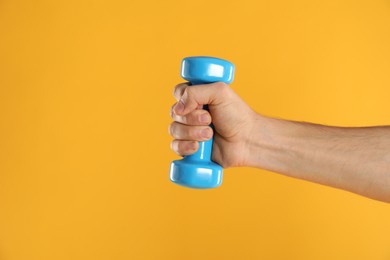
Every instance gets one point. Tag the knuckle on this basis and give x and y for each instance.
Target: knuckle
(184, 119)
(171, 112)
(175, 146)
(223, 88)
(178, 90)
(221, 85)
(174, 116)
(171, 129)
(188, 93)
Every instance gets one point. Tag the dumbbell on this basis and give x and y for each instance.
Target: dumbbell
(198, 170)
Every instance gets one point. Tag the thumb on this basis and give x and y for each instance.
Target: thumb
(198, 95)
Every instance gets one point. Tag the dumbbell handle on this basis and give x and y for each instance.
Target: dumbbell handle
(205, 148)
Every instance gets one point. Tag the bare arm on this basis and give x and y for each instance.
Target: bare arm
(353, 159)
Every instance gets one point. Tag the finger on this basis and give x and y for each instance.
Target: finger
(190, 133)
(196, 117)
(193, 97)
(179, 90)
(183, 148)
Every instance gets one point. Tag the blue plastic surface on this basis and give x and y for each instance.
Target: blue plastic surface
(198, 170)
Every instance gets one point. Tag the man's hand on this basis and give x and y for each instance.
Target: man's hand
(232, 118)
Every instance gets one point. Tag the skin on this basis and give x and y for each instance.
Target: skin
(356, 159)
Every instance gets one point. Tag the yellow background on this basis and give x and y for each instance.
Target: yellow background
(85, 92)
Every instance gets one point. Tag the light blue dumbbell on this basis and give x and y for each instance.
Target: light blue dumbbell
(198, 170)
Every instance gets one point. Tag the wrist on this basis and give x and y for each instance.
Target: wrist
(289, 147)
(271, 144)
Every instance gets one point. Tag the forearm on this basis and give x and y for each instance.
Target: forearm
(354, 159)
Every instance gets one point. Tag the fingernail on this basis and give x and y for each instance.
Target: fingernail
(204, 118)
(206, 133)
(179, 107)
(193, 145)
